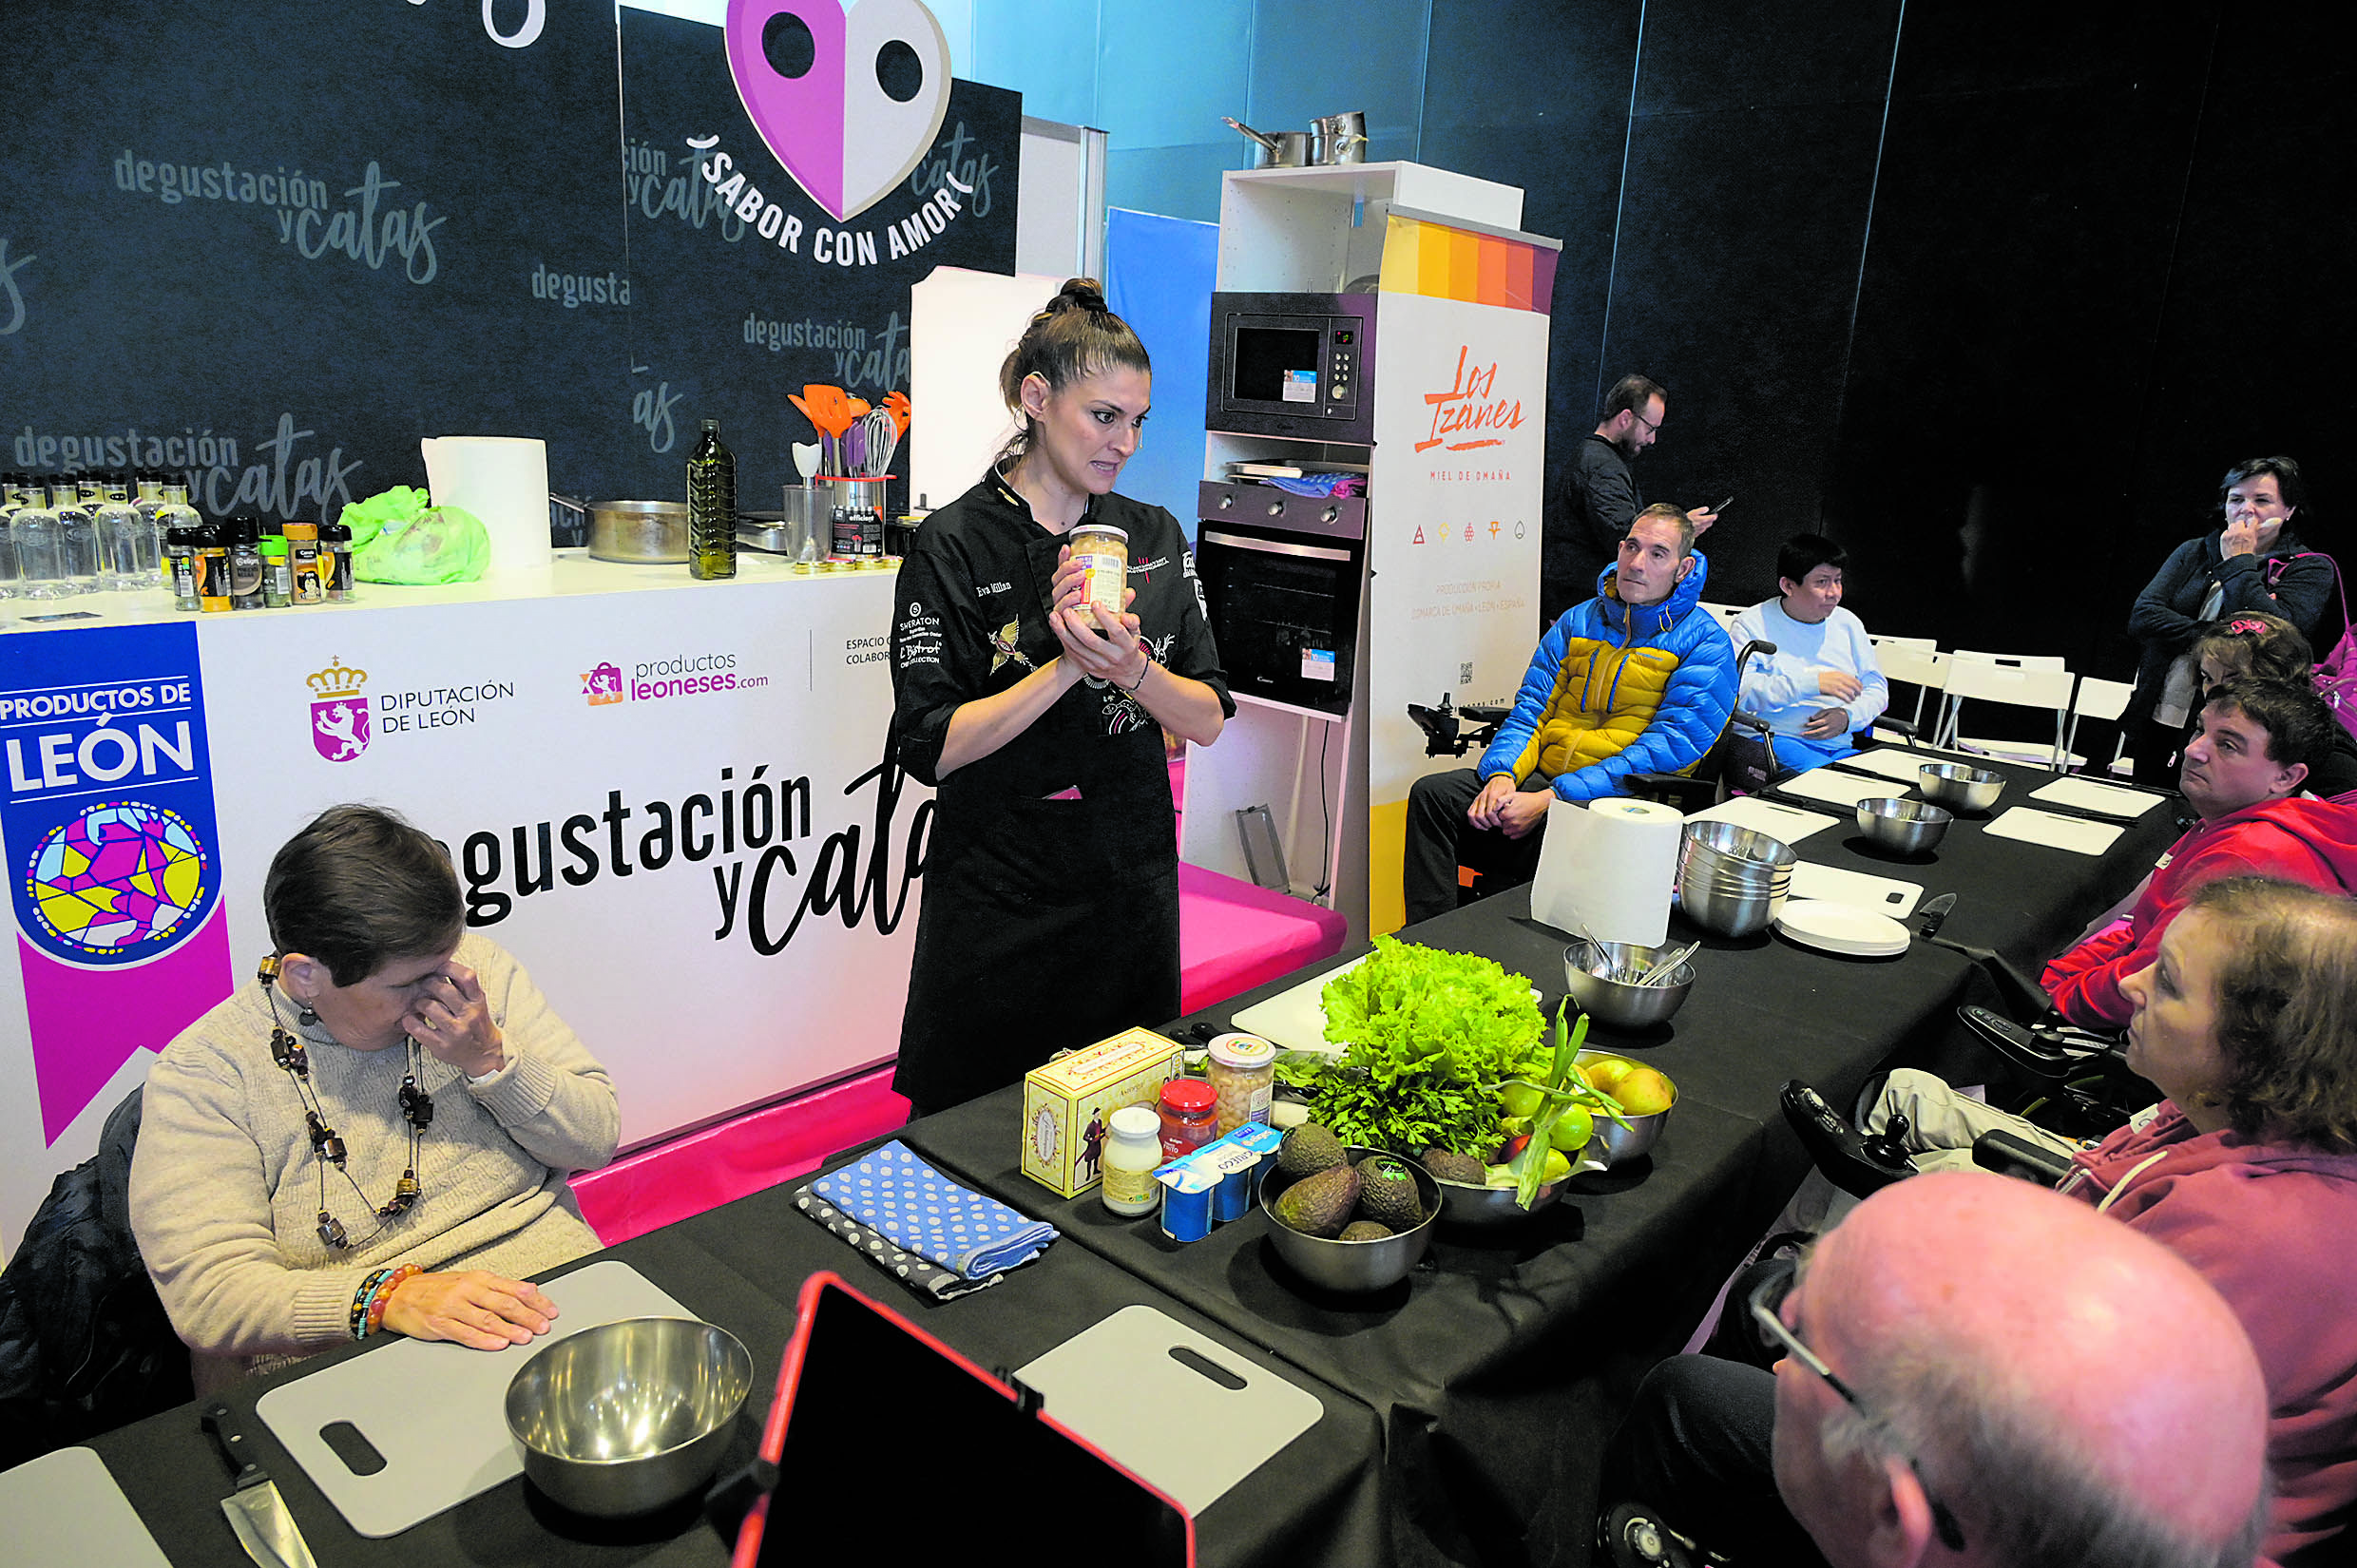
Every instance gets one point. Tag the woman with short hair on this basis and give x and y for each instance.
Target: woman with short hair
(372, 1136)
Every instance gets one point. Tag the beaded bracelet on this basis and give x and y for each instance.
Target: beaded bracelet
(358, 1322)
(382, 1297)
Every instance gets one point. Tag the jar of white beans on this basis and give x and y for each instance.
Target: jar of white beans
(1242, 1072)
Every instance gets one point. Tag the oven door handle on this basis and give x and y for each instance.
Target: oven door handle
(1270, 547)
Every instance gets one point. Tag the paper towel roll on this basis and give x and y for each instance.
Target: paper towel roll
(1611, 868)
(503, 480)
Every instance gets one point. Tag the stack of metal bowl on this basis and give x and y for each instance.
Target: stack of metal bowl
(1732, 880)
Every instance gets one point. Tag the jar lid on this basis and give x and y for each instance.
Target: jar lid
(1190, 1094)
(1136, 1121)
(1107, 529)
(1241, 1052)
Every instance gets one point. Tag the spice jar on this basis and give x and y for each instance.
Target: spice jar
(1243, 1075)
(1130, 1159)
(1188, 1107)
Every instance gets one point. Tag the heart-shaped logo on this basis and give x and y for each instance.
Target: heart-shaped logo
(847, 101)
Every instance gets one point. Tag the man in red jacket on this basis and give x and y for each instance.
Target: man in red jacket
(2247, 760)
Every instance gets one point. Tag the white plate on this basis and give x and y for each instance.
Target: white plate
(1842, 929)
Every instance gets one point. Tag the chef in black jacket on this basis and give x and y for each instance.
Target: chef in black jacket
(1050, 894)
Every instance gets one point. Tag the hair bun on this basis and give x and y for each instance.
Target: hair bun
(1083, 293)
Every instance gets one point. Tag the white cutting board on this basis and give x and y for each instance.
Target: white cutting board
(2087, 794)
(1110, 1383)
(437, 1412)
(1890, 763)
(64, 1509)
(1837, 787)
(1885, 896)
(2076, 835)
(1295, 1019)
(1788, 825)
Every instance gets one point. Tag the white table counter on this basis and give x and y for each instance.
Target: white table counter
(664, 796)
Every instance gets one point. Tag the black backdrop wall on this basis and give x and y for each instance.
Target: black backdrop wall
(1992, 291)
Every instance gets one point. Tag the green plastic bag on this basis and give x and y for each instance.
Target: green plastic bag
(364, 518)
(438, 545)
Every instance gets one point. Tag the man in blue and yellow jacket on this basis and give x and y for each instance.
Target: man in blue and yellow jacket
(1638, 680)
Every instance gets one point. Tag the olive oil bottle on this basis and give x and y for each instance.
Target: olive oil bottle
(710, 507)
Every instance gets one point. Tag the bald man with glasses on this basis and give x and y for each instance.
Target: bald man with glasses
(1969, 1369)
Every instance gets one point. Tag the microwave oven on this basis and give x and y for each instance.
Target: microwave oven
(1295, 366)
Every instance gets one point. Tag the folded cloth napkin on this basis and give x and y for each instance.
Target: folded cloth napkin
(920, 1210)
(926, 1279)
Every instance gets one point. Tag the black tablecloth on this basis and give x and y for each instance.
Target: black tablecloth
(1501, 1365)
(1320, 1500)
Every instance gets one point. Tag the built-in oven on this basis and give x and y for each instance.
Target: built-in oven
(1295, 366)
(1281, 576)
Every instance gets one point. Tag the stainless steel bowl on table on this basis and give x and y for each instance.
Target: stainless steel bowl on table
(1613, 1143)
(1732, 880)
(1907, 827)
(1589, 974)
(1960, 786)
(1488, 1208)
(629, 1417)
(1332, 1264)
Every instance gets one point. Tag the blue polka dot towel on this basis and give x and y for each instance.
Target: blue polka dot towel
(896, 1193)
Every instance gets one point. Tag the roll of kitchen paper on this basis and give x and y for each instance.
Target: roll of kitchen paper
(1609, 869)
(503, 480)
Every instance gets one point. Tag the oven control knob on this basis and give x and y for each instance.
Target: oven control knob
(1276, 508)
(1226, 500)
(1332, 514)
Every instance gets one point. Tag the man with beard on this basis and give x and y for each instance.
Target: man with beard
(1602, 498)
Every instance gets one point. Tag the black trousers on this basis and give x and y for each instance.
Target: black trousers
(1696, 1449)
(1440, 839)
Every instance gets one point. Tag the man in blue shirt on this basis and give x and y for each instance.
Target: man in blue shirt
(1823, 682)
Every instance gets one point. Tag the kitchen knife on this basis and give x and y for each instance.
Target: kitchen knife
(254, 1510)
(1935, 912)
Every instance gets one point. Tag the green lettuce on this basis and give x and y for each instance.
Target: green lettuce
(1426, 1036)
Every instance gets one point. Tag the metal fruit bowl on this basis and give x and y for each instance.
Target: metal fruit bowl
(1614, 1144)
(1908, 826)
(1587, 966)
(1960, 788)
(627, 1417)
(1483, 1208)
(1353, 1266)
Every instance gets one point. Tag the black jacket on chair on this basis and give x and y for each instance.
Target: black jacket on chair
(84, 1343)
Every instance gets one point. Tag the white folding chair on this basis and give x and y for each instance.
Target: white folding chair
(2105, 701)
(1918, 662)
(2015, 685)
(2013, 662)
(1726, 613)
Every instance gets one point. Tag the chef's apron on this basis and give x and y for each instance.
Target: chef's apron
(1046, 924)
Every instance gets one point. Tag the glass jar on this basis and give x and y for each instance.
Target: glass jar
(1243, 1077)
(1130, 1159)
(1189, 1107)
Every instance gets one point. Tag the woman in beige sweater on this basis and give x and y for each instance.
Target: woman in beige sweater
(372, 1136)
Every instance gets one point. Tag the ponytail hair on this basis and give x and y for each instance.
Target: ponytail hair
(1074, 336)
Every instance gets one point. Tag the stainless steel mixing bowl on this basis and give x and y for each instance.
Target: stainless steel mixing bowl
(1907, 827)
(627, 1417)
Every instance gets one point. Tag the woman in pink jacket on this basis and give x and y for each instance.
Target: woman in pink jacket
(2248, 1168)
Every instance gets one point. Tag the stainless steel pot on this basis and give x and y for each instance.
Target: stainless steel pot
(1339, 138)
(1276, 149)
(643, 532)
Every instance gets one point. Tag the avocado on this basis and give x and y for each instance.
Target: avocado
(1448, 1166)
(1387, 1194)
(1365, 1230)
(1308, 1149)
(1319, 1205)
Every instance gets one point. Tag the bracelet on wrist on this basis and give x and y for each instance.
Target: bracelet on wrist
(380, 1296)
(358, 1322)
(1144, 671)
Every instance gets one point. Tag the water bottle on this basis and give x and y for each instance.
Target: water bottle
(77, 539)
(40, 552)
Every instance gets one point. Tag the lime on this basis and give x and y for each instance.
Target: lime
(1521, 1100)
(1573, 1129)
(1557, 1168)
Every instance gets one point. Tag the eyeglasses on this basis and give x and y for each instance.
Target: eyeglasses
(1767, 1311)
(1653, 425)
